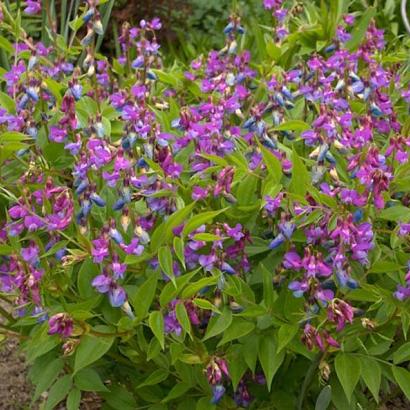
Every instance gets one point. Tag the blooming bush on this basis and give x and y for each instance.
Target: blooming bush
(229, 235)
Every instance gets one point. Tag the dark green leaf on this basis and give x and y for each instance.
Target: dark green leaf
(238, 328)
(90, 349)
(142, 299)
(73, 399)
(89, 380)
(156, 323)
(155, 377)
(348, 370)
(58, 392)
(269, 358)
(402, 377)
(218, 324)
(300, 181)
(360, 29)
(324, 398)
(371, 374)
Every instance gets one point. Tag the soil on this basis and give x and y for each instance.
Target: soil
(15, 390)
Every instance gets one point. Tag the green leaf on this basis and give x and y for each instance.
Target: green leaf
(324, 398)
(47, 377)
(12, 136)
(179, 249)
(382, 266)
(41, 343)
(58, 392)
(273, 165)
(169, 291)
(206, 237)
(156, 323)
(237, 365)
(74, 399)
(250, 351)
(397, 213)
(205, 404)
(200, 219)
(246, 192)
(285, 335)
(293, 125)
(55, 88)
(6, 45)
(371, 374)
(274, 52)
(164, 231)
(300, 181)
(167, 78)
(89, 380)
(177, 391)
(165, 262)
(183, 318)
(218, 324)
(402, 377)
(7, 103)
(193, 288)
(360, 28)
(155, 377)
(402, 354)
(88, 271)
(205, 304)
(238, 328)
(269, 358)
(348, 370)
(90, 349)
(119, 398)
(142, 299)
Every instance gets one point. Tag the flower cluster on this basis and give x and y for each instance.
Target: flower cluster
(214, 185)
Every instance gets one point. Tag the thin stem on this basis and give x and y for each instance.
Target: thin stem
(308, 378)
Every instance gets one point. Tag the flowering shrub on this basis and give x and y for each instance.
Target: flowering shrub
(235, 234)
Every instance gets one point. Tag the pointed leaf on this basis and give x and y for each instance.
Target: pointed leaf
(269, 358)
(372, 375)
(348, 371)
(402, 377)
(156, 323)
(218, 324)
(90, 349)
(324, 398)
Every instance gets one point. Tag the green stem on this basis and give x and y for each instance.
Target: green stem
(308, 378)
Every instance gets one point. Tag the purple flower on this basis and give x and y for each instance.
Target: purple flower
(199, 193)
(404, 229)
(30, 254)
(33, 7)
(235, 232)
(117, 296)
(298, 288)
(33, 222)
(100, 249)
(57, 134)
(292, 260)
(277, 241)
(61, 324)
(207, 261)
(218, 392)
(102, 283)
(171, 324)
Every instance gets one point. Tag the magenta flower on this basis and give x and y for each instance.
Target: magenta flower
(100, 249)
(33, 7)
(61, 324)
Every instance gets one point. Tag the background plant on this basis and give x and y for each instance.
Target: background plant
(233, 232)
